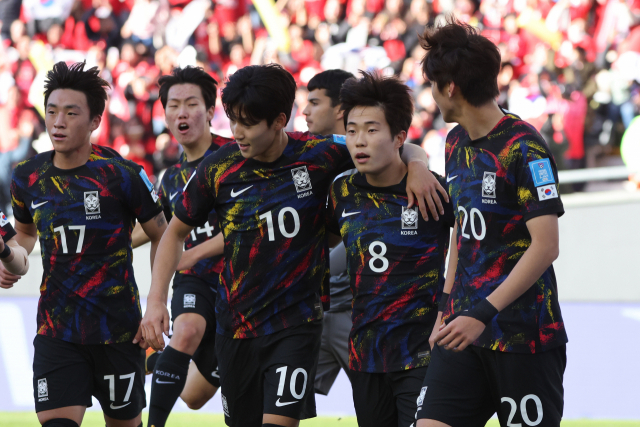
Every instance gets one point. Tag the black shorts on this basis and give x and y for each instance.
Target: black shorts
(193, 295)
(271, 374)
(467, 388)
(67, 374)
(386, 399)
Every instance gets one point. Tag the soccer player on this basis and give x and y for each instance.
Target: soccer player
(324, 117)
(395, 258)
(503, 348)
(269, 192)
(82, 201)
(188, 96)
(13, 257)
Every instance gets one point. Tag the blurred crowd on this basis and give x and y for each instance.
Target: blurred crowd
(570, 67)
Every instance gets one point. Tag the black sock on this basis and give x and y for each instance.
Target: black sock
(152, 360)
(169, 377)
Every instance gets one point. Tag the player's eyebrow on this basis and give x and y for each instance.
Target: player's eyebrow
(50, 105)
(182, 99)
(370, 122)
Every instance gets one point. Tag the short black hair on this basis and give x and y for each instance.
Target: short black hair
(388, 93)
(457, 53)
(259, 92)
(75, 77)
(193, 75)
(331, 81)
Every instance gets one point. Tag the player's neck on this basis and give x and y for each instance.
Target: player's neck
(392, 174)
(479, 121)
(339, 129)
(72, 159)
(276, 148)
(196, 150)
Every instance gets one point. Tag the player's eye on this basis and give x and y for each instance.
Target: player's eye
(373, 130)
(193, 105)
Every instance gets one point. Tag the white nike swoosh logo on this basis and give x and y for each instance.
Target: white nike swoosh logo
(278, 403)
(345, 214)
(118, 407)
(171, 196)
(234, 194)
(164, 382)
(451, 178)
(215, 374)
(38, 205)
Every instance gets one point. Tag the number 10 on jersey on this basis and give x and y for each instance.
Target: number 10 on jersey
(269, 217)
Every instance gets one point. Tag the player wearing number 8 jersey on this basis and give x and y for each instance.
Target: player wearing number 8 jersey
(82, 202)
(269, 193)
(395, 258)
(503, 346)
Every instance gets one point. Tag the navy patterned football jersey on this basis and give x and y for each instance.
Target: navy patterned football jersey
(272, 216)
(497, 183)
(396, 263)
(6, 229)
(84, 218)
(173, 182)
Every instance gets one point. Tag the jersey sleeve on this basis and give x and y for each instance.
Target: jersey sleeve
(165, 201)
(344, 160)
(332, 221)
(449, 216)
(197, 199)
(6, 230)
(141, 196)
(537, 180)
(20, 208)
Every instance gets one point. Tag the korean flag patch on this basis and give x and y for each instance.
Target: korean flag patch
(541, 172)
(3, 219)
(547, 192)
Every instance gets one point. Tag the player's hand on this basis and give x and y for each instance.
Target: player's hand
(459, 333)
(7, 280)
(139, 340)
(154, 323)
(423, 187)
(437, 327)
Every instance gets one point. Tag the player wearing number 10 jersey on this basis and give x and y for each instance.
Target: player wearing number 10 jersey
(269, 192)
(504, 346)
(82, 202)
(395, 258)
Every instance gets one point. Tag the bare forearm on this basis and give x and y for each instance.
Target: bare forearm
(18, 261)
(412, 152)
(526, 272)
(167, 255)
(453, 262)
(139, 237)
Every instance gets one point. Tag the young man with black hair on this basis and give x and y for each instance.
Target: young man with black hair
(324, 117)
(82, 202)
(269, 191)
(395, 259)
(188, 96)
(14, 259)
(503, 345)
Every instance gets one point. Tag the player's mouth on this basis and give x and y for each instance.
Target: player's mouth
(58, 136)
(183, 128)
(243, 147)
(362, 157)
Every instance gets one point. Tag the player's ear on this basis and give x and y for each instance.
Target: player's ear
(95, 122)
(280, 122)
(452, 89)
(339, 112)
(210, 113)
(398, 140)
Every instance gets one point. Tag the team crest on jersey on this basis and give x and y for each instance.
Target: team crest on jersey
(189, 301)
(301, 179)
(43, 390)
(91, 203)
(489, 185)
(3, 219)
(409, 219)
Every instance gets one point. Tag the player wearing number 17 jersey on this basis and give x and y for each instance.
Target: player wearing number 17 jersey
(269, 192)
(395, 258)
(503, 348)
(82, 202)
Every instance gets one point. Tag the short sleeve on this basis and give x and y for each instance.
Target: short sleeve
(332, 222)
(141, 196)
(197, 199)
(20, 208)
(165, 200)
(537, 180)
(449, 216)
(6, 229)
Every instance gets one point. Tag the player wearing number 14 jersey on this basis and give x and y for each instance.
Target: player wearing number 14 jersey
(503, 348)
(269, 192)
(395, 258)
(82, 202)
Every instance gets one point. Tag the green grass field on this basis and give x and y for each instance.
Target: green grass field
(94, 419)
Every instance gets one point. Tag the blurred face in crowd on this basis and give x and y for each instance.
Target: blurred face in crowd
(186, 114)
(320, 115)
(369, 140)
(68, 120)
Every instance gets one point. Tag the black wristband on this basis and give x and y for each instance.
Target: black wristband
(6, 252)
(444, 300)
(484, 312)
